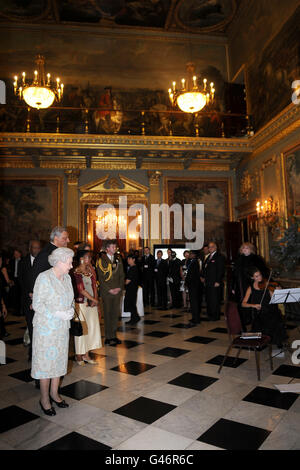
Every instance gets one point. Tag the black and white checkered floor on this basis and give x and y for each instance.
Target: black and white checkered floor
(159, 389)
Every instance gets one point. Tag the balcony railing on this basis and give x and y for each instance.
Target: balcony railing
(156, 122)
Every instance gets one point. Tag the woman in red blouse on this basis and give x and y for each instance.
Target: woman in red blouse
(86, 299)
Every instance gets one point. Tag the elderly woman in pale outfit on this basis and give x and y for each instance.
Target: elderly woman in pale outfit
(53, 306)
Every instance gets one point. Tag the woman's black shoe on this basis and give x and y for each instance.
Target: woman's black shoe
(60, 404)
(116, 341)
(50, 412)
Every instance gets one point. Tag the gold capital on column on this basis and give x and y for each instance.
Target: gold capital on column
(72, 176)
(154, 177)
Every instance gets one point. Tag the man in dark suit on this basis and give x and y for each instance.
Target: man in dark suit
(147, 264)
(131, 286)
(15, 291)
(213, 273)
(59, 238)
(174, 276)
(195, 287)
(24, 274)
(160, 276)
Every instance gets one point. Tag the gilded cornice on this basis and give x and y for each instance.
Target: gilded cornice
(94, 142)
(111, 152)
(284, 124)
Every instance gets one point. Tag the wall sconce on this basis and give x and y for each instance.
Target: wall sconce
(268, 211)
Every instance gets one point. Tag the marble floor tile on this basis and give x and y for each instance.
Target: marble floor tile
(230, 435)
(7, 383)
(204, 404)
(109, 399)
(76, 416)
(154, 438)
(140, 388)
(295, 408)
(185, 422)
(144, 409)
(19, 393)
(286, 435)
(32, 405)
(109, 378)
(75, 442)
(202, 446)
(183, 415)
(171, 394)
(229, 388)
(260, 416)
(5, 446)
(33, 435)
(111, 429)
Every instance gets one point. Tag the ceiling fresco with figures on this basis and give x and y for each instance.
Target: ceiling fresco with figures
(198, 16)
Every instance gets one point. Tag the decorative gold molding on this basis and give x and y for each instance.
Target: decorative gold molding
(61, 164)
(115, 152)
(72, 176)
(16, 164)
(113, 165)
(246, 184)
(154, 177)
(100, 186)
(115, 142)
(284, 124)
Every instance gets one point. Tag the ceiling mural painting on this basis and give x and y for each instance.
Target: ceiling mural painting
(191, 15)
(204, 15)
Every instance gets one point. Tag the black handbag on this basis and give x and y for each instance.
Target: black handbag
(76, 326)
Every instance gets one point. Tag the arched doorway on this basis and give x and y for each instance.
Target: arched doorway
(108, 190)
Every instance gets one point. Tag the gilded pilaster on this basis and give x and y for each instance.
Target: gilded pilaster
(154, 198)
(72, 205)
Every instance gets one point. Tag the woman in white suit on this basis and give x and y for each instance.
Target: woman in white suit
(53, 306)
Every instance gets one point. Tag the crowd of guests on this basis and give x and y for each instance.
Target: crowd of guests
(52, 285)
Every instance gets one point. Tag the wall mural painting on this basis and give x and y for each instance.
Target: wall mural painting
(292, 180)
(213, 194)
(111, 111)
(271, 75)
(29, 209)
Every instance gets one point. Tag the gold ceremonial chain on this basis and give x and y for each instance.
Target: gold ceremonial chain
(105, 271)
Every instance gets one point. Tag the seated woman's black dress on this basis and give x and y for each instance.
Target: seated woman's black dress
(268, 320)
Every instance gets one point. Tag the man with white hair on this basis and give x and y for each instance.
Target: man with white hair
(59, 238)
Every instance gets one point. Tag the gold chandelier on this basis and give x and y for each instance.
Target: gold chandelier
(40, 93)
(191, 97)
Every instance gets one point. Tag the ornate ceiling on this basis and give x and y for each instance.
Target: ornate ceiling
(194, 16)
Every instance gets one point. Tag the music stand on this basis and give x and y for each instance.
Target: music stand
(284, 296)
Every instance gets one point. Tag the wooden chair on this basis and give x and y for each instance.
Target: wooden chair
(234, 328)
